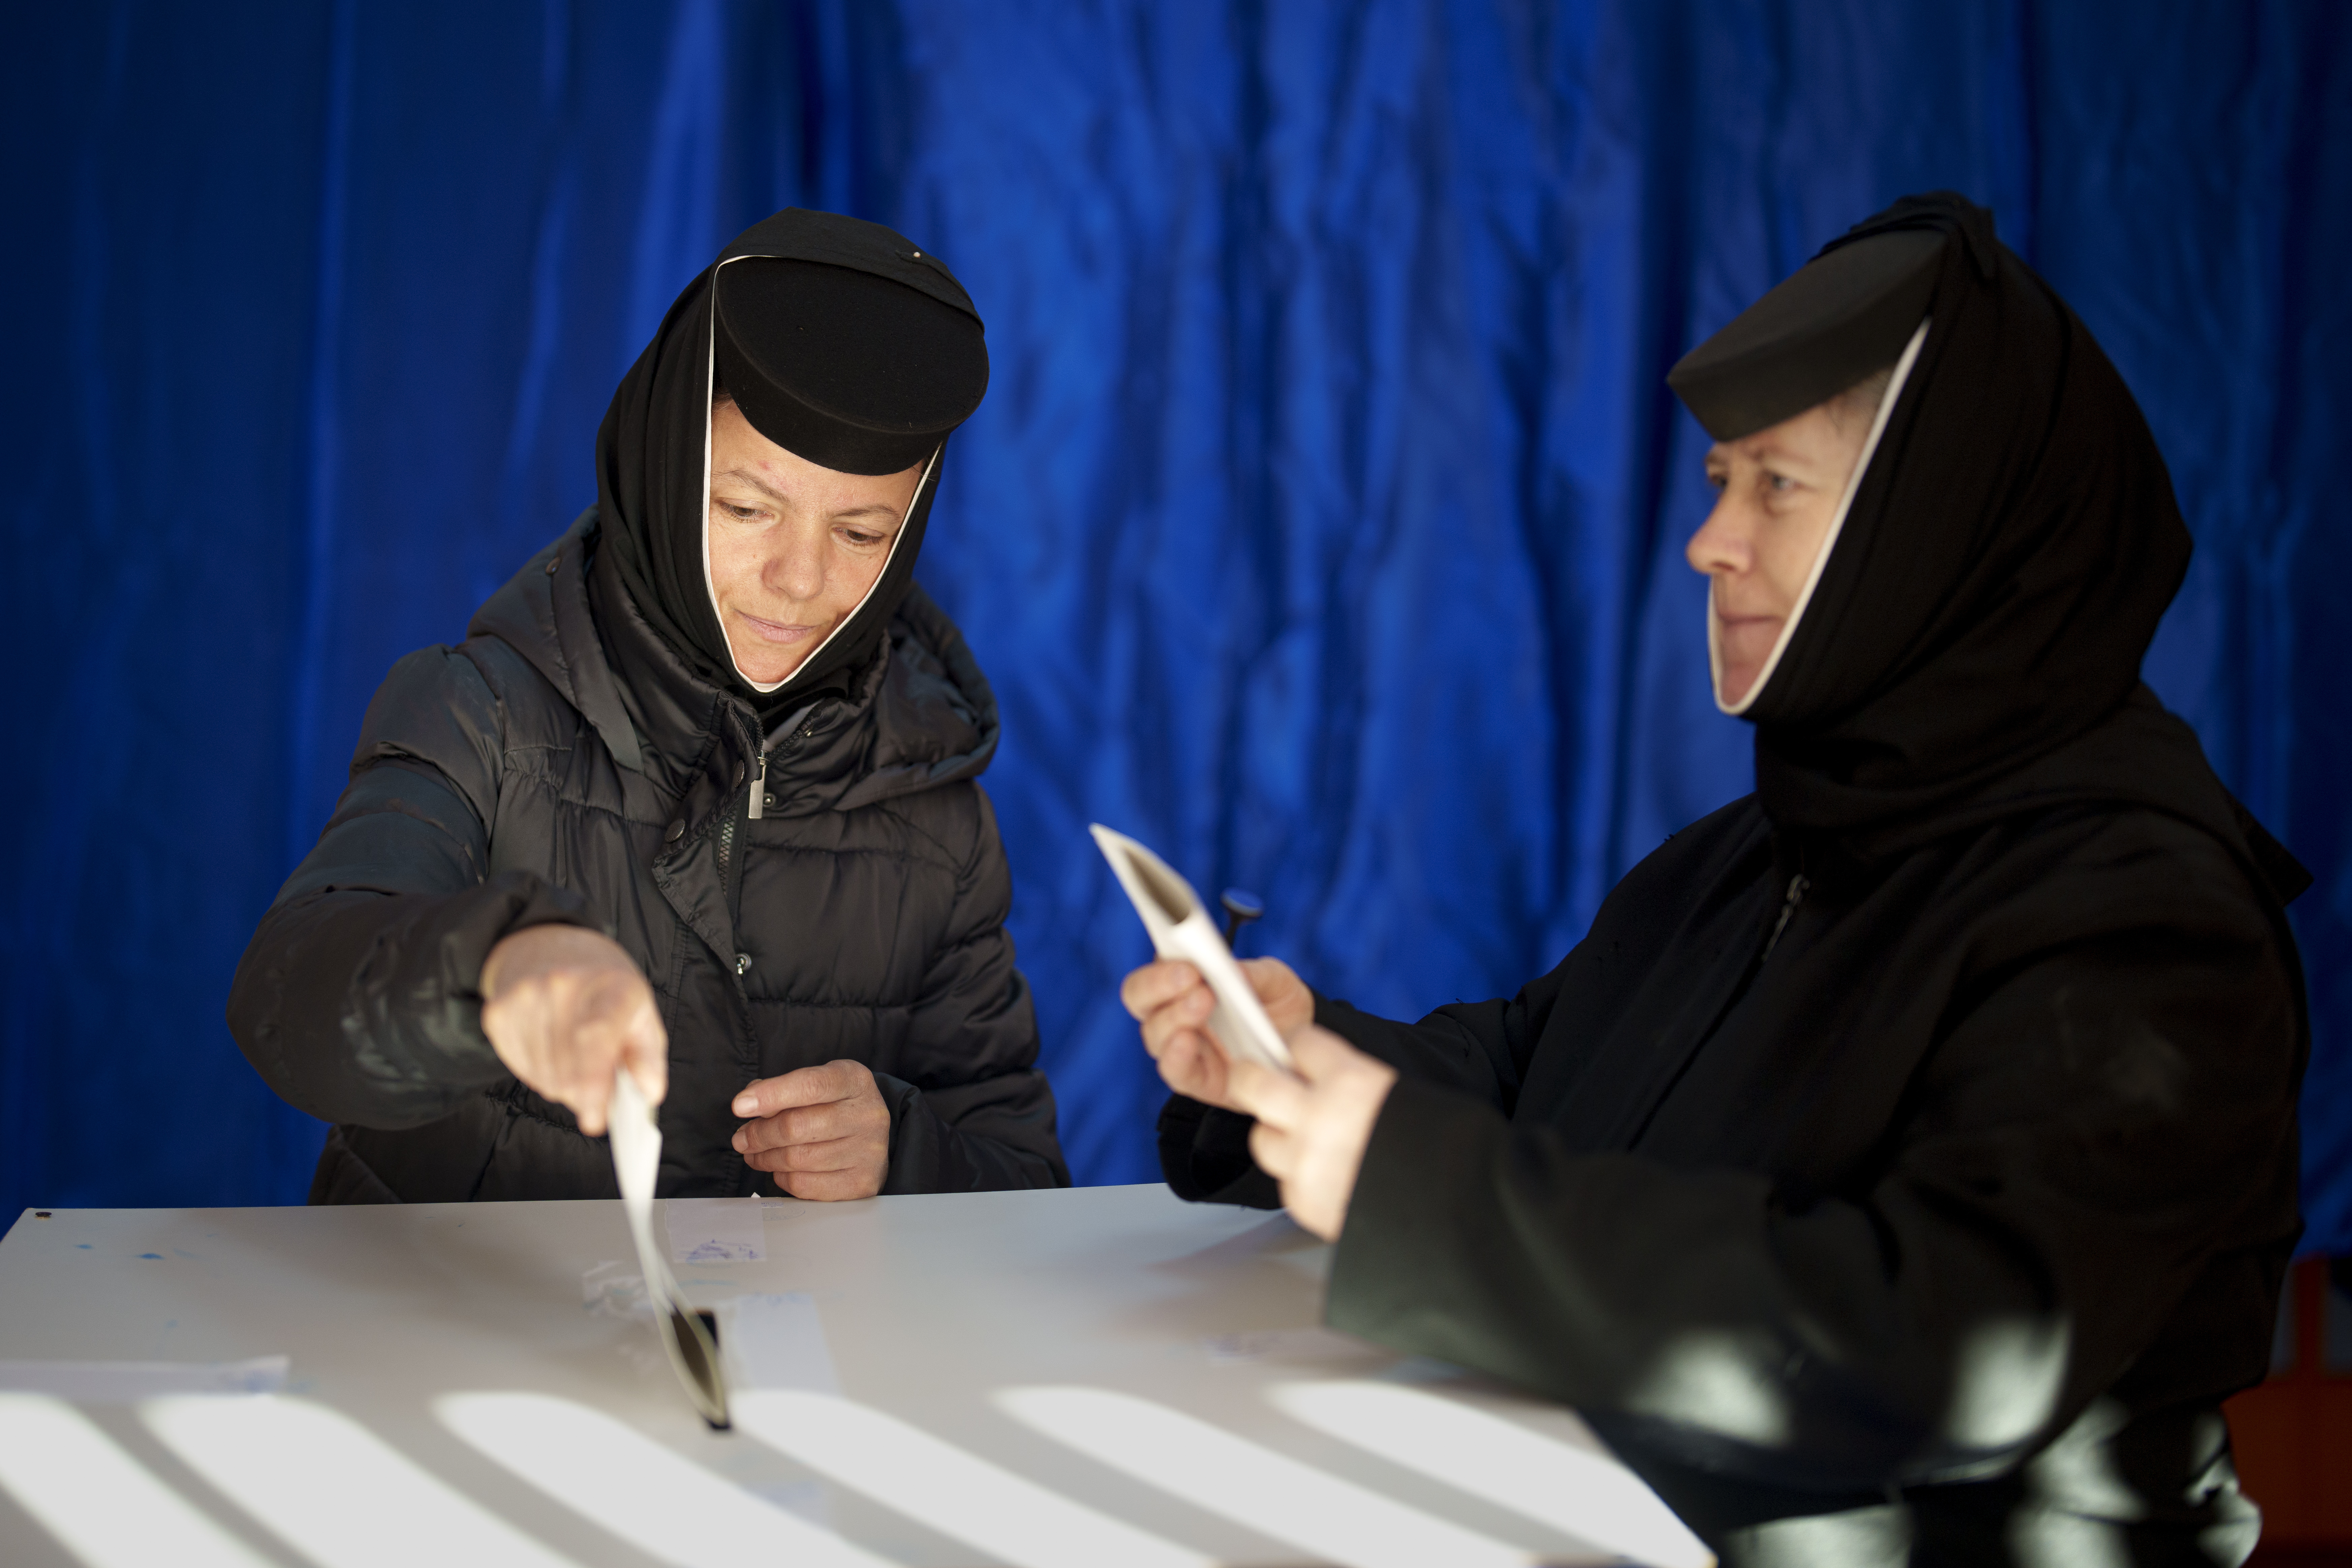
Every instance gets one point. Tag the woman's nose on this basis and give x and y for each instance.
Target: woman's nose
(1723, 542)
(796, 570)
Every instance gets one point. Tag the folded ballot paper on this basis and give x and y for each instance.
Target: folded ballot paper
(1182, 928)
(685, 1333)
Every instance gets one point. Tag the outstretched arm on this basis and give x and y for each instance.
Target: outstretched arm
(361, 997)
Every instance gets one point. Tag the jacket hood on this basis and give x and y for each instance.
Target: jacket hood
(919, 714)
(2010, 548)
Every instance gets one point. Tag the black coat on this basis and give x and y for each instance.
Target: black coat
(519, 779)
(2024, 1188)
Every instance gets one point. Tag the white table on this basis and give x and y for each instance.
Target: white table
(1090, 1376)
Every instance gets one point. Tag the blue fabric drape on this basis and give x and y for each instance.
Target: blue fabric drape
(1323, 523)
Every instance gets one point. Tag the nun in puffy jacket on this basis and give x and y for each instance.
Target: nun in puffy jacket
(695, 799)
(1903, 1169)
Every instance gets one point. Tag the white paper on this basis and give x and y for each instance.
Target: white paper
(637, 1161)
(715, 1230)
(609, 1290)
(1182, 928)
(777, 1342)
(118, 1382)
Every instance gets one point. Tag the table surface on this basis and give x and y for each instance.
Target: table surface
(1095, 1375)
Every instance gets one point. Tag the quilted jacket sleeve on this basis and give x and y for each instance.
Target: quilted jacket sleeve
(972, 1113)
(358, 998)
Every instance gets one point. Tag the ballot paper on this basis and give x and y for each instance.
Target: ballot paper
(125, 1382)
(715, 1230)
(684, 1334)
(1182, 928)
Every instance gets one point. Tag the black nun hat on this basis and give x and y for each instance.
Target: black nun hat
(2008, 543)
(854, 371)
(839, 340)
(1840, 317)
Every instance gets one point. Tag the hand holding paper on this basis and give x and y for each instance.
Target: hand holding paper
(1181, 928)
(1174, 1005)
(1314, 1123)
(564, 1007)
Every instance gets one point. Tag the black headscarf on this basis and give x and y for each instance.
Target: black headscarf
(650, 498)
(2003, 565)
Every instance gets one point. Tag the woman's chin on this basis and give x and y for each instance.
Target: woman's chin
(762, 665)
(1731, 688)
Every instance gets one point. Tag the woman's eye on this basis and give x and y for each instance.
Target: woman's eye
(860, 539)
(1779, 484)
(740, 513)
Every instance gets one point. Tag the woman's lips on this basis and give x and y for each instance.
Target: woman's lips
(1748, 623)
(1748, 637)
(775, 631)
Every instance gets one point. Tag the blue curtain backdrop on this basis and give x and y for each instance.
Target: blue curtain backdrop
(1323, 524)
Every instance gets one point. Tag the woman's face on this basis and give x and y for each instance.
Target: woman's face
(794, 548)
(1778, 490)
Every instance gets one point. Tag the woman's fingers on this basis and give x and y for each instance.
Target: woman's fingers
(647, 1051)
(1320, 1053)
(830, 1121)
(570, 1008)
(1273, 1098)
(1289, 1004)
(1276, 1150)
(1194, 1067)
(826, 1186)
(1148, 989)
(587, 1040)
(811, 1159)
(1186, 1013)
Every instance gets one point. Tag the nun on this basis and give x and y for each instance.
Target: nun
(695, 799)
(1903, 1169)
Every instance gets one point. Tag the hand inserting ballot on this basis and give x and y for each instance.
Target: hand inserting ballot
(822, 1131)
(1312, 1128)
(565, 1008)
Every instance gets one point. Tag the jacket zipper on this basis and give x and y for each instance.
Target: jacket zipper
(756, 806)
(1798, 885)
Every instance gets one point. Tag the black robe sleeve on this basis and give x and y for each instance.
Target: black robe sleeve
(1479, 1048)
(2071, 1156)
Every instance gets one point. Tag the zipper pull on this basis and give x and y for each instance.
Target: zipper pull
(759, 797)
(1796, 885)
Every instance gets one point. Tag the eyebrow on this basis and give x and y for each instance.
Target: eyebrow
(1722, 452)
(872, 509)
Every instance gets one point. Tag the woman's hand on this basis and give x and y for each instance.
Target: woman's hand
(824, 1131)
(1312, 1129)
(565, 1008)
(1173, 1004)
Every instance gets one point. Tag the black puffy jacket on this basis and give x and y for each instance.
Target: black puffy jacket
(519, 779)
